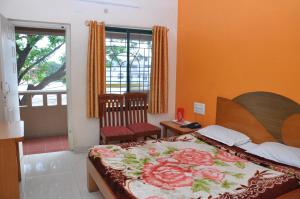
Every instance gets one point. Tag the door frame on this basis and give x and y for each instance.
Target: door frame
(67, 28)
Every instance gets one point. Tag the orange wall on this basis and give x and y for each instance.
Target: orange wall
(229, 47)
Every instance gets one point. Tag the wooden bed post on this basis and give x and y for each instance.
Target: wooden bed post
(95, 182)
(91, 184)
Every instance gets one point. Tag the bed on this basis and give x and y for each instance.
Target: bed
(195, 166)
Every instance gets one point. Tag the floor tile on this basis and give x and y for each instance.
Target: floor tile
(51, 186)
(58, 175)
(49, 163)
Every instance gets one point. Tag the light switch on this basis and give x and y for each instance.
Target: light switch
(199, 108)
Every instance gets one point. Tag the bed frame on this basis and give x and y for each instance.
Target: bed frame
(96, 182)
(263, 116)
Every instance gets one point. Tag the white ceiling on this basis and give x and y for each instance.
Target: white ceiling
(121, 3)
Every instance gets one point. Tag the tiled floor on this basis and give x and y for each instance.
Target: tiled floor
(45, 145)
(58, 175)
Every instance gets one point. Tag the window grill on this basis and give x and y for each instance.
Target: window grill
(128, 60)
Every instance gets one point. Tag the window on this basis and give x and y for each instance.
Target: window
(128, 60)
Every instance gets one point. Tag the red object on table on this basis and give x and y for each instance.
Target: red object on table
(180, 114)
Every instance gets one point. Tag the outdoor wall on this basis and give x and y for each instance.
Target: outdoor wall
(144, 13)
(226, 48)
(44, 121)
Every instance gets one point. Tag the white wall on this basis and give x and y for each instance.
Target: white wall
(142, 13)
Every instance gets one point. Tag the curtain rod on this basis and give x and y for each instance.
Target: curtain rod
(87, 23)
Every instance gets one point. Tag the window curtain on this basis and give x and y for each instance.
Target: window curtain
(158, 97)
(95, 67)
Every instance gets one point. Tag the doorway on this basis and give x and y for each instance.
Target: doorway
(43, 76)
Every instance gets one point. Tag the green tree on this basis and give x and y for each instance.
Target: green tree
(32, 60)
(112, 55)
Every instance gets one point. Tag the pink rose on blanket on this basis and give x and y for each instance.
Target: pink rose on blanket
(167, 160)
(210, 173)
(228, 157)
(104, 152)
(167, 176)
(152, 151)
(154, 197)
(193, 157)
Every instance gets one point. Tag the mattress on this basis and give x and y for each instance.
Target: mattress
(189, 166)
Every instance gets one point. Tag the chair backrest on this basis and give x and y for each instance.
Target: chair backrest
(136, 108)
(111, 110)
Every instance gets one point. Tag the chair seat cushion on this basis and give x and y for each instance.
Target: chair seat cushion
(143, 128)
(116, 131)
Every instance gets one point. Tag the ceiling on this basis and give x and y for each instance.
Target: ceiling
(120, 3)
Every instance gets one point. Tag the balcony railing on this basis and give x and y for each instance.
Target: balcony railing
(38, 98)
(44, 113)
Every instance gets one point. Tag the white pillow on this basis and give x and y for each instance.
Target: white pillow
(247, 146)
(278, 152)
(224, 135)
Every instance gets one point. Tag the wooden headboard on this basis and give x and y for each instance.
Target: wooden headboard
(263, 116)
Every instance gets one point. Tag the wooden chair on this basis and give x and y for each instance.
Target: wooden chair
(136, 116)
(112, 126)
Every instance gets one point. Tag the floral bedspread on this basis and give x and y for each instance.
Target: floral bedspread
(185, 167)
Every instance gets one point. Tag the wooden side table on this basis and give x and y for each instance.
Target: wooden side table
(175, 128)
(10, 173)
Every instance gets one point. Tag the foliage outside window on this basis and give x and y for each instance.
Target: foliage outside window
(41, 62)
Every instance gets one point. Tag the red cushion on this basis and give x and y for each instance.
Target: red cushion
(143, 127)
(116, 131)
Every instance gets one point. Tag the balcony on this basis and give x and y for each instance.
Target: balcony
(44, 113)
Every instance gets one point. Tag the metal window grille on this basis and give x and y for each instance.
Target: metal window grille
(128, 60)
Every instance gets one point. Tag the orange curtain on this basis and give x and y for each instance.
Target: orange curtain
(158, 98)
(95, 67)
